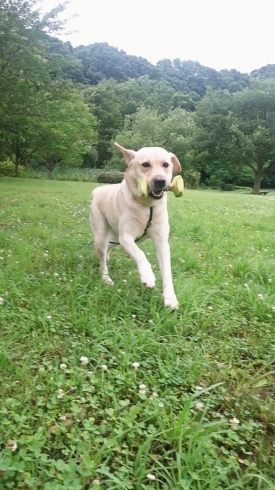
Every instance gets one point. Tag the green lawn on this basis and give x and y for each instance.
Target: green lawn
(205, 418)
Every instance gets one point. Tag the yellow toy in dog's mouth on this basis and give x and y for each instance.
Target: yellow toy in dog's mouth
(177, 187)
(143, 189)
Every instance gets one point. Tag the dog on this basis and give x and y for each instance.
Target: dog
(120, 216)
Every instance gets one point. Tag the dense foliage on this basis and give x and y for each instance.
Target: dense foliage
(64, 106)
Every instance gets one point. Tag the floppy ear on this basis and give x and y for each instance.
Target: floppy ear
(128, 154)
(176, 164)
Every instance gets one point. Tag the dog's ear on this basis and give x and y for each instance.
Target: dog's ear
(176, 164)
(128, 154)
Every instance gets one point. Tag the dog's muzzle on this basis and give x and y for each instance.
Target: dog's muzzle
(158, 187)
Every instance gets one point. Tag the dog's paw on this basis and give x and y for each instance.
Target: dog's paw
(147, 278)
(107, 279)
(171, 302)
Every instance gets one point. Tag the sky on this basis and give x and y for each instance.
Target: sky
(220, 34)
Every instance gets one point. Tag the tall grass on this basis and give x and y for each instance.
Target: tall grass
(204, 418)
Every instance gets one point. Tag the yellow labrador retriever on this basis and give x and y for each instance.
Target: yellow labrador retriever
(120, 216)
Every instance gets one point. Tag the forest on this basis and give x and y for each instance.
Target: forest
(63, 107)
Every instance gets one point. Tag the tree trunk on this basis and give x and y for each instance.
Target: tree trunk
(16, 169)
(17, 161)
(50, 174)
(258, 178)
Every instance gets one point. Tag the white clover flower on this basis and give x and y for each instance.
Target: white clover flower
(210, 307)
(161, 405)
(230, 266)
(1, 301)
(135, 365)
(60, 393)
(260, 297)
(273, 308)
(63, 366)
(199, 388)
(151, 477)
(104, 367)
(12, 445)
(48, 317)
(63, 418)
(84, 360)
(154, 394)
(234, 423)
(134, 316)
(226, 284)
(96, 482)
(142, 392)
(56, 274)
(199, 406)
(142, 387)
(270, 280)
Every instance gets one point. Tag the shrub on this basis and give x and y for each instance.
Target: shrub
(214, 182)
(7, 169)
(65, 174)
(110, 177)
(227, 187)
(192, 179)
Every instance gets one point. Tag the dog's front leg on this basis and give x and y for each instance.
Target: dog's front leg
(164, 260)
(144, 267)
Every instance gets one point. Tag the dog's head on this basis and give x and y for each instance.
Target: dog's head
(155, 164)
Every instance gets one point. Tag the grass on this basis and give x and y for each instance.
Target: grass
(205, 420)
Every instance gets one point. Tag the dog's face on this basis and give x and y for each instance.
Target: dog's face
(155, 164)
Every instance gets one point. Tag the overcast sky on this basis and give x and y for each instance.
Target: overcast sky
(220, 34)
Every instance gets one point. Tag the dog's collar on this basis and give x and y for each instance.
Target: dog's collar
(149, 223)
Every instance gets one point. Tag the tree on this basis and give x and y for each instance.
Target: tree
(255, 110)
(64, 133)
(148, 128)
(153, 94)
(36, 101)
(101, 62)
(104, 105)
(68, 135)
(215, 149)
(236, 130)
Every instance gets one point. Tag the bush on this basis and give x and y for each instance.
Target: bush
(7, 169)
(214, 182)
(242, 188)
(76, 174)
(227, 187)
(192, 179)
(110, 177)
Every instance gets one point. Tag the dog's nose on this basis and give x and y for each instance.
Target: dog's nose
(159, 183)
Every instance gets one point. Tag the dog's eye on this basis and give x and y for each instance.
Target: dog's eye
(166, 164)
(146, 164)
